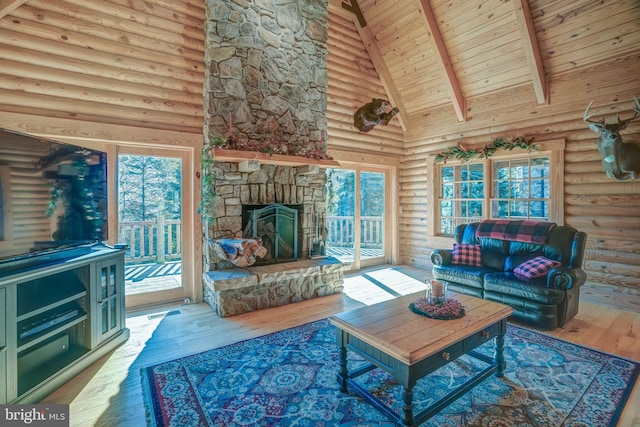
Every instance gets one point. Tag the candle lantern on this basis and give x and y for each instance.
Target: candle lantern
(436, 292)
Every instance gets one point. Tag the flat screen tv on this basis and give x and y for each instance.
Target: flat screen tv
(53, 199)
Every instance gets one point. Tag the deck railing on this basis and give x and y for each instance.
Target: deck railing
(340, 231)
(144, 245)
(147, 244)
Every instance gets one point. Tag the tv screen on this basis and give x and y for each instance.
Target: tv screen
(53, 196)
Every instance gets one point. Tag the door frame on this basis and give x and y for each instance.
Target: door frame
(368, 262)
(389, 165)
(188, 291)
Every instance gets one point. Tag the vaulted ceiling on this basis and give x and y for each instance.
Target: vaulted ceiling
(451, 66)
(441, 53)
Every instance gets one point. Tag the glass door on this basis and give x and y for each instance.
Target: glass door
(108, 293)
(150, 223)
(341, 214)
(372, 215)
(356, 216)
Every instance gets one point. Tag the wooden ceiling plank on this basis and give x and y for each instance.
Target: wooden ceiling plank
(597, 53)
(483, 35)
(7, 6)
(502, 61)
(554, 16)
(414, 36)
(454, 23)
(455, 92)
(407, 64)
(532, 51)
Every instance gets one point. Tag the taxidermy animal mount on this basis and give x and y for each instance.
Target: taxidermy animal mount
(373, 113)
(619, 160)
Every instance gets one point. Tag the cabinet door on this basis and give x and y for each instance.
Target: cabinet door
(109, 294)
(3, 348)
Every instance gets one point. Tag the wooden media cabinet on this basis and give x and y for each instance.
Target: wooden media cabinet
(56, 319)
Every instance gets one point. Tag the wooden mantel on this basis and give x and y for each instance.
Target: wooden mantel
(237, 156)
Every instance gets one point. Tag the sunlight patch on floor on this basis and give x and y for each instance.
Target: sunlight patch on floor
(375, 286)
(398, 281)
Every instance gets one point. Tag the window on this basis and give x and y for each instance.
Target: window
(514, 186)
(462, 195)
(521, 188)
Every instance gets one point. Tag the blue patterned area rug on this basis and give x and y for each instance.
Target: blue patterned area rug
(288, 378)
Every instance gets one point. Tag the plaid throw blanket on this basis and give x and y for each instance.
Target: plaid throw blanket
(520, 231)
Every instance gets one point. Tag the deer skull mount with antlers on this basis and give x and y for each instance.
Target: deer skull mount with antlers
(620, 160)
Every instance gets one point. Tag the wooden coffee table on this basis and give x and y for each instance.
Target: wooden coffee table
(409, 346)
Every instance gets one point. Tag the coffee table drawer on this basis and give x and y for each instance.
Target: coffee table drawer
(458, 349)
(481, 337)
(445, 356)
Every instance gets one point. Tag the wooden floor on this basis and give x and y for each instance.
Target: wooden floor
(109, 392)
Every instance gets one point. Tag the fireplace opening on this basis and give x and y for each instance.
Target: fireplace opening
(277, 226)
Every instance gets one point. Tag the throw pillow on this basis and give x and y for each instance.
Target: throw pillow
(467, 254)
(536, 267)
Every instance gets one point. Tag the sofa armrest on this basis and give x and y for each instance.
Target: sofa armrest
(566, 278)
(442, 257)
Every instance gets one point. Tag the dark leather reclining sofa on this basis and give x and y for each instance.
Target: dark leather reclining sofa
(545, 302)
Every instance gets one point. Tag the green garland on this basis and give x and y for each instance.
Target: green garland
(208, 177)
(502, 143)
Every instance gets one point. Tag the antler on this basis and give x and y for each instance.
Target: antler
(636, 109)
(587, 116)
(621, 124)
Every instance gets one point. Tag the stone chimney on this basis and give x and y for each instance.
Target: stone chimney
(266, 71)
(266, 68)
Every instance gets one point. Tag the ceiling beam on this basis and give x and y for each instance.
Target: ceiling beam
(8, 6)
(455, 92)
(353, 7)
(532, 50)
(381, 68)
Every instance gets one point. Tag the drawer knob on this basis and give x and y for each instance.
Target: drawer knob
(446, 356)
(486, 335)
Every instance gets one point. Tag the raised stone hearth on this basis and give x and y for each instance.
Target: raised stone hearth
(232, 292)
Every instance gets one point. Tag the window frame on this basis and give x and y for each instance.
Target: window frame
(554, 149)
(459, 201)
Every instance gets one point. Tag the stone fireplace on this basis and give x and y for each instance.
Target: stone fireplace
(241, 193)
(266, 91)
(230, 290)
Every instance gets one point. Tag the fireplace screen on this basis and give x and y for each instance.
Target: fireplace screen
(277, 227)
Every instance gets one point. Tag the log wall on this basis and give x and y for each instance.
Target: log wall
(114, 75)
(26, 195)
(606, 209)
(353, 82)
(115, 70)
